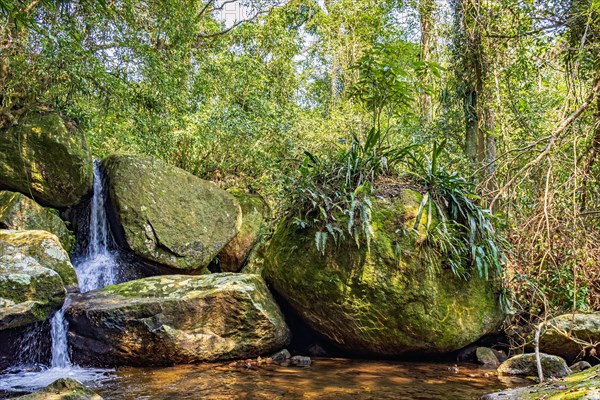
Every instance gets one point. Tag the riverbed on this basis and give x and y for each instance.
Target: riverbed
(326, 378)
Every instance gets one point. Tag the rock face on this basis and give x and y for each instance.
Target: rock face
(558, 337)
(167, 215)
(583, 385)
(176, 319)
(29, 292)
(41, 157)
(44, 248)
(63, 389)
(254, 213)
(19, 212)
(525, 365)
(396, 299)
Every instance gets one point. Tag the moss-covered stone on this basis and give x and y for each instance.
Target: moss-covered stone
(395, 299)
(29, 292)
(176, 319)
(526, 365)
(63, 389)
(19, 212)
(254, 214)
(44, 248)
(168, 215)
(563, 333)
(583, 385)
(40, 157)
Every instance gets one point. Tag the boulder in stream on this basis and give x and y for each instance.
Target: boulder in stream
(63, 389)
(19, 212)
(175, 319)
(29, 292)
(566, 335)
(396, 299)
(525, 365)
(167, 215)
(41, 157)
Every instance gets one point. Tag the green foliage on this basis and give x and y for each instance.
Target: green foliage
(466, 233)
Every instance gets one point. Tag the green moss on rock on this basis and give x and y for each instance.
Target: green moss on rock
(254, 214)
(176, 319)
(44, 248)
(394, 299)
(168, 215)
(41, 157)
(18, 212)
(63, 389)
(29, 292)
(583, 385)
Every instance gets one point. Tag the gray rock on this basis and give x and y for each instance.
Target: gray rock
(525, 365)
(281, 356)
(580, 366)
(486, 356)
(301, 361)
(561, 333)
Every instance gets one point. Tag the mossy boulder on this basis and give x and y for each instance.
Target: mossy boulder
(583, 385)
(29, 292)
(526, 365)
(46, 249)
(254, 214)
(19, 212)
(63, 389)
(167, 215)
(563, 335)
(42, 158)
(175, 319)
(396, 299)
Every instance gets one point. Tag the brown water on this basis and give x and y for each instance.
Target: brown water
(324, 379)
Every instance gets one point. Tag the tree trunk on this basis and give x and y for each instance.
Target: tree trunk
(426, 9)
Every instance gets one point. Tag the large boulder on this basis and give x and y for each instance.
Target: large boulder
(19, 212)
(29, 292)
(41, 157)
(395, 299)
(63, 389)
(46, 249)
(583, 385)
(254, 213)
(526, 365)
(176, 319)
(167, 215)
(572, 336)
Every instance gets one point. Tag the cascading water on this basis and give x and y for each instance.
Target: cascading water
(97, 268)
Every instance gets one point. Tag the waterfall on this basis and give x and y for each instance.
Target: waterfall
(98, 267)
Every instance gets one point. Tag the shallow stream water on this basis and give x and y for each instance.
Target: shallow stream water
(326, 378)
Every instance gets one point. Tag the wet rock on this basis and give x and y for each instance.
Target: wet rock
(525, 365)
(19, 212)
(254, 214)
(167, 215)
(580, 366)
(63, 389)
(395, 299)
(29, 292)
(486, 356)
(559, 337)
(41, 157)
(281, 356)
(583, 385)
(300, 361)
(176, 319)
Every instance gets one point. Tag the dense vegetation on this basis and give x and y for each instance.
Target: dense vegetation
(481, 105)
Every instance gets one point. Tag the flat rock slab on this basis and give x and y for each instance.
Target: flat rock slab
(175, 319)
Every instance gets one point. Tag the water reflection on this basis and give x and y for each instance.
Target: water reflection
(325, 379)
